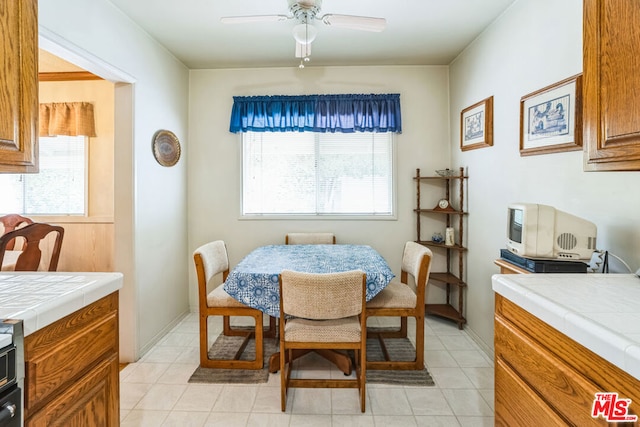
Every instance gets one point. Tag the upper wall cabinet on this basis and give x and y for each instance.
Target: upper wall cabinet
(19, 86)
(611, 108)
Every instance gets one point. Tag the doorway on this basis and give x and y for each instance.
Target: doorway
(123, 177)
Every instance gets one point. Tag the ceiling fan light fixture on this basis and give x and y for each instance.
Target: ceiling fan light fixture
(304, 33)
(363, 23)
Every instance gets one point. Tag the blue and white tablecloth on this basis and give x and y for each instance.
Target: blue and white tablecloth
(254, 281)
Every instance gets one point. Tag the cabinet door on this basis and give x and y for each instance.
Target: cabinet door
(19, 86)
(611, 108)
(91, 402)
(517, 405)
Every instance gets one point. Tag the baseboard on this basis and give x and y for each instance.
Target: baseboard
(488, 351)
(164, 331)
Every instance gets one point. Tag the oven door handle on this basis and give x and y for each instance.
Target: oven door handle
(7, 412)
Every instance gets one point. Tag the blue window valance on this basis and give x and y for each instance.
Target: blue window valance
(317, 113)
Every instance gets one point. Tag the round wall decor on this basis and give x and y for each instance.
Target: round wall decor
(166, 148)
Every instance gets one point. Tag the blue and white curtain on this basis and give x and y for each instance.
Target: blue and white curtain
(317, 113)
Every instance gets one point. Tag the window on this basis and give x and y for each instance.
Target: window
(306, 173)
(59, 187)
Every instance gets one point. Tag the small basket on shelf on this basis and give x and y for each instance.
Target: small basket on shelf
(446, 172)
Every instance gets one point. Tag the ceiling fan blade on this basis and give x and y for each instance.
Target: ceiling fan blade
(303, 50)
(254, 18)
(365, 23)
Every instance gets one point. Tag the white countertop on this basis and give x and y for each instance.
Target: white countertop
(599, 311)
(41, 298)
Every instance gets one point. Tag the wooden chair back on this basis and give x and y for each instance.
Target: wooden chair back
(319, 296)
(33, 235)
(322, 312)
(416, 262)
(210, 259)
(310, 239)
(10, 222)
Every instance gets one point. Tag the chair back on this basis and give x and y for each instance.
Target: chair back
(322, 295)
(31, 255)
(310, 239)
(416, 261)
(11, 222)
(210, 259)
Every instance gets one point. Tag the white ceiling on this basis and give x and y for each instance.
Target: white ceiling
(418, 32)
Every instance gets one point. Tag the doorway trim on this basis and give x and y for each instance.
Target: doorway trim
(124, 185)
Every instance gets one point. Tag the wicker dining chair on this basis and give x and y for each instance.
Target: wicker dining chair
(322, 311)
(211, 259)
(310, 239)
(398, 299)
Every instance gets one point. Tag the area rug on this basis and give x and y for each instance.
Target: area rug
(399, 349)
(225, 347)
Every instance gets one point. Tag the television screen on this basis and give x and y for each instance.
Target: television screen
(515, 225)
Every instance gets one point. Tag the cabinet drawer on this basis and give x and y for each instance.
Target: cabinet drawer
(608, 377)
(58, 355)
(567, 391)
(90, 402)
(511, 409)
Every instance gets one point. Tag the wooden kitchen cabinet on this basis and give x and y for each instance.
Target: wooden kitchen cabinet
(611, 102)
(544, 378)
(72, 369)
(19, 86)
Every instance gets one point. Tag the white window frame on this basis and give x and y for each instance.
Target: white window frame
(85, 189)
(323, 216)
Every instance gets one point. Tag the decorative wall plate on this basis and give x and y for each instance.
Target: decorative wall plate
(166, 148)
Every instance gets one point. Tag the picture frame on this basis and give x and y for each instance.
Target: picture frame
(551, 118)
(476, 125)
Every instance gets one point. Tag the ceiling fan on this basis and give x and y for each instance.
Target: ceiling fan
(305, 12)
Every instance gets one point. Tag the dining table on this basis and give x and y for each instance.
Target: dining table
(254, 281)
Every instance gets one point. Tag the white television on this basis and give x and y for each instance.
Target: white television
(541, 231)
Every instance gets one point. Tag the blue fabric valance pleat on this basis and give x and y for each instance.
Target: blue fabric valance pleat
(317, 113)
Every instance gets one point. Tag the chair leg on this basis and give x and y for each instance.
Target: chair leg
(234, 363)
(403, 327)
(283, 380)
(204, 339)
(390, 364)
(226, 325)
(259, 334)
(420, 342)
(271, 332)
(363, 379)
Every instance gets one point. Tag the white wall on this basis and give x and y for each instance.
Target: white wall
(150, 200)
(214, 153)
(535, 43)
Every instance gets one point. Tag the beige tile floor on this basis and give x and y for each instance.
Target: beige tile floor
(155, 390)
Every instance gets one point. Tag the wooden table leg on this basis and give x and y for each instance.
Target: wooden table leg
(341, 360)
(274, 360)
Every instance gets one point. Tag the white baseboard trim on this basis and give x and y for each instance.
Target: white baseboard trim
(152, 342)
(488, 351)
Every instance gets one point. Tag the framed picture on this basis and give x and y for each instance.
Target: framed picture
(476, 125)
(551, 118)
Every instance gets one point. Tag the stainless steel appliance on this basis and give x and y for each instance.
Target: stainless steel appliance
(11, 373)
